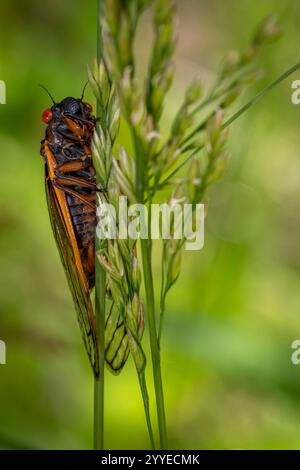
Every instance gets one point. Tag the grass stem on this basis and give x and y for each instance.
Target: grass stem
(100, 292)
(145, 396)
(150, 299)
(155, 352)
(99, 382)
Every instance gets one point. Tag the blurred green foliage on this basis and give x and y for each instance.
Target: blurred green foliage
(230, 322)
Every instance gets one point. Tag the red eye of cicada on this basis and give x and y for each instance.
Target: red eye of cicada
(89, 107)
(47, 116)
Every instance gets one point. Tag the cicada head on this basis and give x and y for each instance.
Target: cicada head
(72, 108)
(69, 108)
(76, 108)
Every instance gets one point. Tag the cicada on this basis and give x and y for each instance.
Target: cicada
(71, 190)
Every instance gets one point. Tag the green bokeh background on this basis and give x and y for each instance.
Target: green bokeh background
(231, 319)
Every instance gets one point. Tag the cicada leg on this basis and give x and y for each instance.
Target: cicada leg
(72, 180)
(88, 200)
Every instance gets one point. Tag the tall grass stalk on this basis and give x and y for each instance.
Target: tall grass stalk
(146, 251)
(119, 273)
(155, 164)
(100, 294)
(154, 344)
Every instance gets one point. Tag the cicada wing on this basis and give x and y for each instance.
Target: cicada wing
(80, 293)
